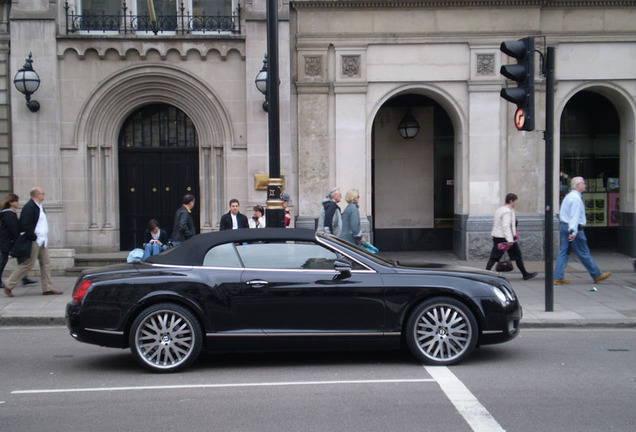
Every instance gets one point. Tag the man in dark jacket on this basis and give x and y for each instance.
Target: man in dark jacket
(183, 223)
(233, 219)
(35, 225)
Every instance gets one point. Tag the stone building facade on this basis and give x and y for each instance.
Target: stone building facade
(360, 67)
(130, 119)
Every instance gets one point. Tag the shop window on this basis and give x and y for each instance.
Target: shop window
(590, 148)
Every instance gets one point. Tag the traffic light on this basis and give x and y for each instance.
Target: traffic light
(523, 74)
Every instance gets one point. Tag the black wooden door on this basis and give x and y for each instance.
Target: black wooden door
(152, 183)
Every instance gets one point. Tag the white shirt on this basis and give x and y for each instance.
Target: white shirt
(573, 211)
(42, 228)
(505, 225)
(234, 221)
(261, 222)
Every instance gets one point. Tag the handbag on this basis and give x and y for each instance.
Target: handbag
(504, 264)
(21, 247)
(503, 246)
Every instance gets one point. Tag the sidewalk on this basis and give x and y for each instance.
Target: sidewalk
(612, 305)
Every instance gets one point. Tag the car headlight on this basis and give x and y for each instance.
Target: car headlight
(503, 298)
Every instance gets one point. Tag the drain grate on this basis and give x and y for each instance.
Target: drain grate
(617, 349)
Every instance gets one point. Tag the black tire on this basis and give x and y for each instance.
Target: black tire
(165, 338)
(441, 331)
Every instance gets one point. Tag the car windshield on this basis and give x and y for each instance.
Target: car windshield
(359, 250)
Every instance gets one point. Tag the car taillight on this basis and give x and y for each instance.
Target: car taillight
(81, 290)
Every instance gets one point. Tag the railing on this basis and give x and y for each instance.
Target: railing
(179, 23)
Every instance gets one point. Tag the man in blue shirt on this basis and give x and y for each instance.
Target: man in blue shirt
(572, 217)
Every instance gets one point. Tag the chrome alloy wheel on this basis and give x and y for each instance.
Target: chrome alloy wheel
(442, 331)
(165, 338)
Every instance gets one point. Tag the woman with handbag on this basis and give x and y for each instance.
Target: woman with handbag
(9, 231)
(504, 237)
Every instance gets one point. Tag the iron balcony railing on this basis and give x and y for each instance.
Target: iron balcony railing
(179, 23)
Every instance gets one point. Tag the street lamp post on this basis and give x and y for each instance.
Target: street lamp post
(275, 213)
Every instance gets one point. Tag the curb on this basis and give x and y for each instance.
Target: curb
(32, 321)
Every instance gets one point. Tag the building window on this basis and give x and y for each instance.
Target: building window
(172, 16)
(158, 125)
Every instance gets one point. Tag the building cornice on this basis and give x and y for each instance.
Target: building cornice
(346, 4)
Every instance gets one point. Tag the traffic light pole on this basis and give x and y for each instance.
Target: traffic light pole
(549, 184)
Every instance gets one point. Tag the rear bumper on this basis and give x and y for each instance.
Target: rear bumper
(96, 336)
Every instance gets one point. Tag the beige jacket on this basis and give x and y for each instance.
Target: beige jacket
(505, 225)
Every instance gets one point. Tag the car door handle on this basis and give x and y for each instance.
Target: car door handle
(257, 283)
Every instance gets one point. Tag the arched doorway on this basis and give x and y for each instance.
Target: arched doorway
(413, 179)
(590, 147)
(158, 164)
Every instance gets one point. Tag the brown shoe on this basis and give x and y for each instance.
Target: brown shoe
(52, 292)
(7, 291)
(603, 276)
(561, 282)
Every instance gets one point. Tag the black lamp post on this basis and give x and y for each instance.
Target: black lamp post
(275, 213)
(27, 82)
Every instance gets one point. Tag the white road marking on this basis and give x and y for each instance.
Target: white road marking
(229, 385)
(475, 414)
(477, 417)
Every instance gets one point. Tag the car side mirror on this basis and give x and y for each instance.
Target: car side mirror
(343, 268)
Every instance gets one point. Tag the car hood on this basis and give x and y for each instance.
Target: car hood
(409, 266)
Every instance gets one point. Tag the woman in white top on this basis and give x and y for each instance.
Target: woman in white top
(504, 230)
(258, 218)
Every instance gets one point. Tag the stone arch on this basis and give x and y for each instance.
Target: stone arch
(458, 118)
(104, 113)
(414, 235)
(625, 106)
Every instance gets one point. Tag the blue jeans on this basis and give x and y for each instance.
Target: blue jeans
(579, 246)
(151, 249)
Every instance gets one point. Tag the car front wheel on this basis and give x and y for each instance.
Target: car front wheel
(441, 331)
(165, 338)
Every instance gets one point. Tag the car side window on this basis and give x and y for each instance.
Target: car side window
(222, 256)
(287, 255)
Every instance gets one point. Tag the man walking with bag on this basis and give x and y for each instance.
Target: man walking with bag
(35, 225)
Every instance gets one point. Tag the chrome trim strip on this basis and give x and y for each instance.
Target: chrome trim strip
(303, 334)
(110, 332)
(259, 269)
(492, 331)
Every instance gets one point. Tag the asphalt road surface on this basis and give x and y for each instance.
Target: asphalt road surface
(545, 380)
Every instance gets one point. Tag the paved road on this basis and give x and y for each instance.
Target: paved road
(545, 380)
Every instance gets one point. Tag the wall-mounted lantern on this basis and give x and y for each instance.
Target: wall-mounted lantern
(27, 82)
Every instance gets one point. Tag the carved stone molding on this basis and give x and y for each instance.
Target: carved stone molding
(350, 66)
(313, 65)
(485, 64)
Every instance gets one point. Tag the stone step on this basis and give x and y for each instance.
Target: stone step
(88, 261)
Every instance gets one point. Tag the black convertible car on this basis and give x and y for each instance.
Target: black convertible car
(293, 289)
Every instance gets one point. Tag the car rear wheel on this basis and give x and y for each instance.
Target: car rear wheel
(441, 331)
(165, 338)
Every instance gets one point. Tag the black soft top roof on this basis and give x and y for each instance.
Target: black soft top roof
(192, 251)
